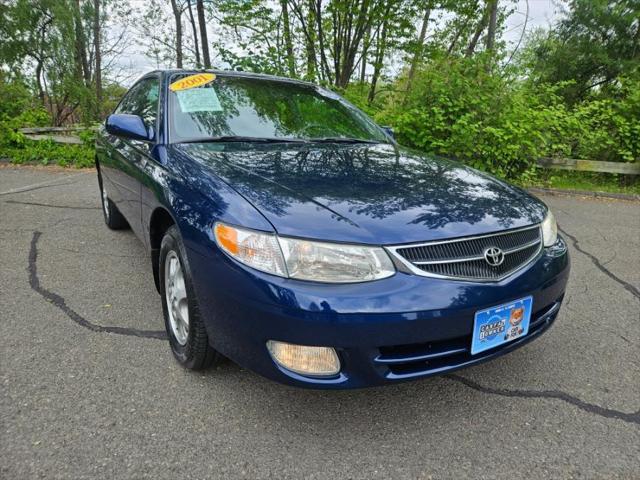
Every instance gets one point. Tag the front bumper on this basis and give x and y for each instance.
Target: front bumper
(396, 329)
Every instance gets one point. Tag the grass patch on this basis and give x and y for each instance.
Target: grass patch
(591, 181)
(49, 153)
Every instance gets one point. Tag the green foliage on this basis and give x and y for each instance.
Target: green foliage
(260, 60)
(10, 138)
(255, 48)
(47, 42)
(49, 153)
(18, 149)
(15, 96)
(456, 108)
(462, 109)
(596, 42)
(21, 112)
(357, 94)
(572, 90)
(112, 94)
(608, 128)
(587, 181)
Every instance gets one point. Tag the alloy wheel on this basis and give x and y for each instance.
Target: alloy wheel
(105, 202)
(176, 297)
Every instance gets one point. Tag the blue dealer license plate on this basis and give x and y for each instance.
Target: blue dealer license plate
(497, 325)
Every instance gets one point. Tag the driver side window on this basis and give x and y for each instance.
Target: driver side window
(142, 100)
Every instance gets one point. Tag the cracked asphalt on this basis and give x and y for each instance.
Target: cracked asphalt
(90, 389)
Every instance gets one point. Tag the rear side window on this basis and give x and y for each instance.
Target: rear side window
(142, 100)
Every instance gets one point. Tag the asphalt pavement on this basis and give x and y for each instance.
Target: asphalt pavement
(89, 388)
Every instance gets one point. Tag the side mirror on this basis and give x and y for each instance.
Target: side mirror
(389, 131)
(128, 126)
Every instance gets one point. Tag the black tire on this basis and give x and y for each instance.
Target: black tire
(195, 353)
(112, 216)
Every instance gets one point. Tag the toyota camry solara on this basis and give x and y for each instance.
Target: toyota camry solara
(291, 234)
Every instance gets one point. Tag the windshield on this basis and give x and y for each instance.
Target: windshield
(261, 108)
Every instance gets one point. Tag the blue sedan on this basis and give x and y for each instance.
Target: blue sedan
(291, 234)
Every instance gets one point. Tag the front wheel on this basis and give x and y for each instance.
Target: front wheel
(187, 335)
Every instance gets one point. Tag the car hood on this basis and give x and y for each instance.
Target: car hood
(366, 193)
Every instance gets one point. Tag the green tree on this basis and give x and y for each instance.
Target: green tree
(590, 48)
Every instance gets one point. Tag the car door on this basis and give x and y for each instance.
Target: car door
(127, 157)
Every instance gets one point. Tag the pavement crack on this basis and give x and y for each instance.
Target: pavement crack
(116, 255)
(550, 395)
(70, 207)
(61, 303)
(46, 184)
(627, 286)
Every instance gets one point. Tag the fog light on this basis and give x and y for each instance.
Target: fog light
(314, 361)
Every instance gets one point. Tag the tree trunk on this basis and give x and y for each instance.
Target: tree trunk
(312, 61)
(476, 36)
(98, 56)
(351, 33)
(456, 36)
(39, 80)
(291, 61)
(39, 58)
(307, 19)
(336, 51)
(195, 34)
(82, 64)
(493, 14)
(365, 51)
(177, 15)
(323, 58)
(417, 55)
(381, 47)
(202, 23)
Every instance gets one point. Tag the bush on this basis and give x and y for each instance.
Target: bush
(16, 98)
(23, 110)
(357, 94)
(47, 152)
(19, 149)
(460, 108)
(609, 128)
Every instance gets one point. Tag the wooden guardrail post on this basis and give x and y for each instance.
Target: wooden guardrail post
(64, 135)
(590, 165)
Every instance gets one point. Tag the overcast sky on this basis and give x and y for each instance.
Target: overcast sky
(541, 13)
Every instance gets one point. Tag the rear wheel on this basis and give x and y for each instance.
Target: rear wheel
(187, 335)
(112, 216)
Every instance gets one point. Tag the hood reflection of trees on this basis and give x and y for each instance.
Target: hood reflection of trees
(377, 181)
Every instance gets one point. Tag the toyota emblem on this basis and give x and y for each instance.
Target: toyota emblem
(494, 256)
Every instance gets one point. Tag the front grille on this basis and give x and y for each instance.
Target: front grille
(464, 258)
(422, 359)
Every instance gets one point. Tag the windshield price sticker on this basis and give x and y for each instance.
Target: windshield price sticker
(199, 100)
(192, 81)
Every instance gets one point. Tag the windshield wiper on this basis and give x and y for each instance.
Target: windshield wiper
(341, 140)
(238, 138)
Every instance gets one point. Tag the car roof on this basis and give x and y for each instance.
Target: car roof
(228, 73)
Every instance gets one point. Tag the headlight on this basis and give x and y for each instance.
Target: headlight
(255, 249)
(549, 229)
(333, 262)
(304, 259)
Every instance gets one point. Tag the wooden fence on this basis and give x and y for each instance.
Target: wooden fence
(590, 165)
(67, 135)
